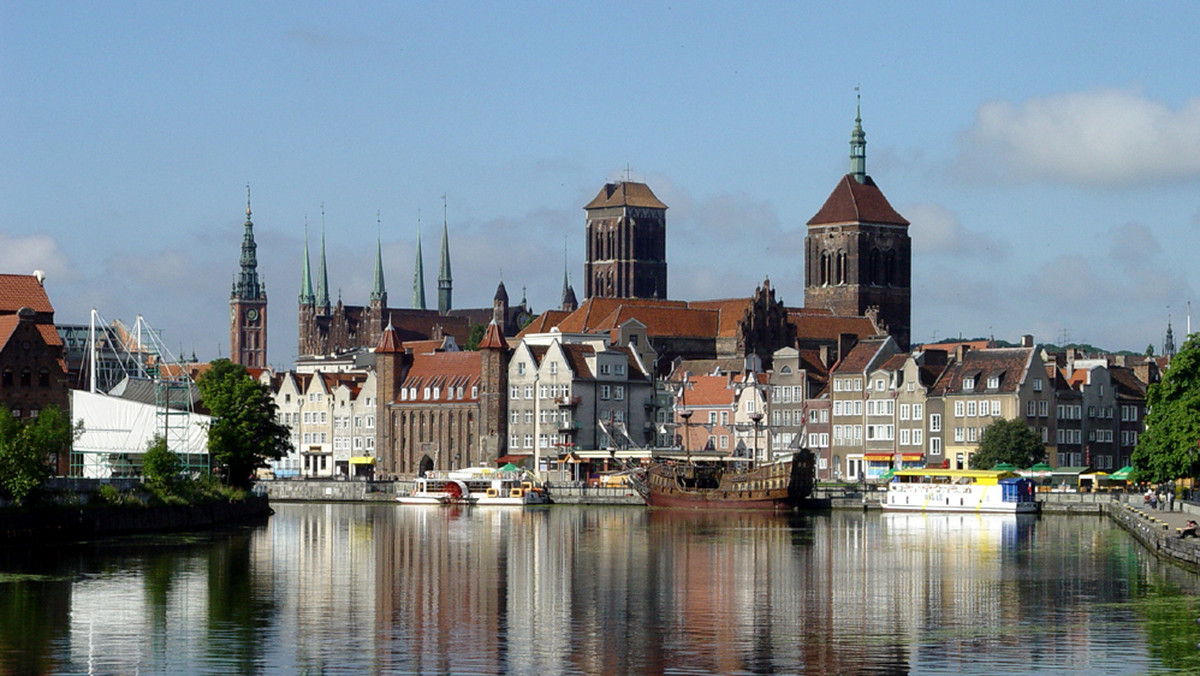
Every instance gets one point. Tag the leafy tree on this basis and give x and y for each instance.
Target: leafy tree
(244, 433)
(1168, 448)
(1150, 350)
(160, 466)
(1008, 441)
(26, 449)
(475, 337)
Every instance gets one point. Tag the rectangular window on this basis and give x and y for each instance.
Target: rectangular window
(960, 434)
(858, 431)
(904, 411)
(605, 392)
(604, 369)
(724, 441)
(918, 411)
(970, 409)
(529, 391)
(1037, 384)
(996, 407)
(1030, 408)
(1043, 408)
(724, 417)
(935, 445)
(968, 384)
(619, 392)
(935, 422)
(917, 437)
(515, 417)
(960, 409)
(905, 437)
(993, 383)
(528, 417)
(520, 368)
(553, 368)
(515, 392)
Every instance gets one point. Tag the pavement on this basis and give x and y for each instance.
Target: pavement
(1174, 519)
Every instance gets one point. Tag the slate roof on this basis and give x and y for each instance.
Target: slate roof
(625, 193)
(854, 202)
(1006, 363)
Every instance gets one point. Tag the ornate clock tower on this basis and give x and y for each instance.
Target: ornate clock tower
(248, 306)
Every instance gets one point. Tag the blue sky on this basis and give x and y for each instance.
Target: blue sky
(1047, 154)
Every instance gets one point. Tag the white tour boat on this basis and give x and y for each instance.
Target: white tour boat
(960, 490)
(475, 486)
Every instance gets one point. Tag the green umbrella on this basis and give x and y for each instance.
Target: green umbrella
(509, 467)
(1122, 474)
(887, 476)
(1005, 467)
(1041, 467)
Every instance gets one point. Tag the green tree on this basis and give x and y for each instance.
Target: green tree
(1168, 448)
(244, 433)
(1150, 350)
(1008, 441)
(475, 337)
(26, 449)
(160, 466)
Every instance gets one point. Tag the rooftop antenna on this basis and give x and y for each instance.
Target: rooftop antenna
(628, 171)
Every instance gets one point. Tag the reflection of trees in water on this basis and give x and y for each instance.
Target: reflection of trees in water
(239, 613)
(35, 608)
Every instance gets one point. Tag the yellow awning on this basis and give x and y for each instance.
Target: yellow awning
(362, 460)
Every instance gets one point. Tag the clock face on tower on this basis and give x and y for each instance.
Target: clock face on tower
(251, 315)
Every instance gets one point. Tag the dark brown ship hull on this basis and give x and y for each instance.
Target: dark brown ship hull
(777, 486)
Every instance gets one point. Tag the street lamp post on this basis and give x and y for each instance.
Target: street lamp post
(756, 418)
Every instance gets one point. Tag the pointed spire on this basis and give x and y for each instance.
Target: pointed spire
(418, 300)
(306, 287)
(322, 274)
(379, 292)
(445, 282)
(389, 341)
(858, 145)
(493, 337)
(247, 286)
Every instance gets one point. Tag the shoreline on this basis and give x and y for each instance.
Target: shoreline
(66, 524)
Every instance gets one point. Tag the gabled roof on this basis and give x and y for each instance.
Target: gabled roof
(18, 291)
(854, 202)
(860, 356)
(576, 356)
(625, 194)
(707, 391)
(443, 370)
(493, 338)
(813, 324)
(664, 321)
(893, 363)
(544, 322)
(1007, 363)
(731, 310)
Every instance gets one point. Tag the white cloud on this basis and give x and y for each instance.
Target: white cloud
(936, 230)
(1106, 137)
(21, 255)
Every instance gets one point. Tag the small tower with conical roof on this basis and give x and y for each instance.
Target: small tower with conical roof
(248, 305)
(445, 282)
(493, 392)
(391, 368)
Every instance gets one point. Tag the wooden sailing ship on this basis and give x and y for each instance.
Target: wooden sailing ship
(729, 484)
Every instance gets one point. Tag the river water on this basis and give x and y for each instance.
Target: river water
(380, 588)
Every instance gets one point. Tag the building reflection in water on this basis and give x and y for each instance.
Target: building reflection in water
(385, 588)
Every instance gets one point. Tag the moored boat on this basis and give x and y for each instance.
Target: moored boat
(960, 490)
(475, 486)
(724, 484)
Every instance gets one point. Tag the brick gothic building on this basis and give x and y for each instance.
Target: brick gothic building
(248, 305)
(858, 255)
(626, 243)
(440, 410)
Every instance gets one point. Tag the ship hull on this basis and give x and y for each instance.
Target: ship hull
(778, 486)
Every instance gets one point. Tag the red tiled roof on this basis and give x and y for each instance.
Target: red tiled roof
(544, 322)
(1008, 363)
(18, 291)
(816, 324)
(663, 321)
(731, 310)
(49, 334)
(493, 338)
(8, 324)
(576, 356)
(625, 193)
(444, 370)
(854, 202)
(893, 363)
(389, 342)
(859, 356)
(707, 391)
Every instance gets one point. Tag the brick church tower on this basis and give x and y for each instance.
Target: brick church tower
(626, 243)
(857, 253)
(248, 305)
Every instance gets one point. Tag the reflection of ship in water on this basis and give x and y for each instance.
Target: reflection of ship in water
(973, 530)
(728, 483)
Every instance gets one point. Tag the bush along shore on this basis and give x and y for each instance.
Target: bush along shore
(88, 509)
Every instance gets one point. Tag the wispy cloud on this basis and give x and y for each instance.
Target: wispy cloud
(936, 230)
(1105, 137)
(24, 254)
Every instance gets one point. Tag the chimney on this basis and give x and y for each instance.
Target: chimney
(962, 350)
(1027, 340)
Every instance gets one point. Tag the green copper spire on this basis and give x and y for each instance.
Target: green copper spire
(858, 145)
(248, 286)
(419, 272)
(306, 289)
(445, 283)
(379, 292)
(322, 275)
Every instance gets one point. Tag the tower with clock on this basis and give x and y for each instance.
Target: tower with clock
(248, 306)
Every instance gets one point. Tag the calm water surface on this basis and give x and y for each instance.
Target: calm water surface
(390, 589)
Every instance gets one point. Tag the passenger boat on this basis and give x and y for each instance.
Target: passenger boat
(960, 490)
(475, 486)
(722, 484)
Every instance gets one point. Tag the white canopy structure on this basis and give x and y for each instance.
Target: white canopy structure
(116, 432)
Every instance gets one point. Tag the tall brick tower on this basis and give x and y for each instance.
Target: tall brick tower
(493, 393)
(248, 305)
(857, 252)
(626, 243)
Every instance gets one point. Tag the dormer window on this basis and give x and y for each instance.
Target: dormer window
(993, 383)
(968, 383)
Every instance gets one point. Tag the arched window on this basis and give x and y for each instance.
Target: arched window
(889, 268)
(873, 267)
(841, 267)
(824, 272)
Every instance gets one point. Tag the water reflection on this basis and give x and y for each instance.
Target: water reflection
(384, 588)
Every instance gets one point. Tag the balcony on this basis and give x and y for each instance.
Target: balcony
(568, 402)
(568, 426)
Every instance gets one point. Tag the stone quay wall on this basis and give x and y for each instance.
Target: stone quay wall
(75, 523)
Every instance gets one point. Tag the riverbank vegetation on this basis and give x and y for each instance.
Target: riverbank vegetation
(1169, 449)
